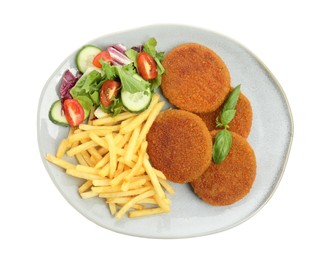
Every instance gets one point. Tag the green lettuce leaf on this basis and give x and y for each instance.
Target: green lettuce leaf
(132, 55)
(130, 80)
(88, 85)
(149, 47)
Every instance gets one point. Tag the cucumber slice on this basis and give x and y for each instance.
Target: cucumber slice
(136, 102)
(56, 115)
(85, 57)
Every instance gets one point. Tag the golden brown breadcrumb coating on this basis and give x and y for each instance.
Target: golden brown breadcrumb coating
(231, 180)
(242, 121)
(196, 78)
(179, 145)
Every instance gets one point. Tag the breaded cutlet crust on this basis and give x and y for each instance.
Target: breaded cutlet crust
(196, 78)
(242, 121)
(179, 145)
(225, 183)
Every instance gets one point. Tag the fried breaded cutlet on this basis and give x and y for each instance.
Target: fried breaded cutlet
(196, 78)
(179, 145)
(242, 121)
(225, 183)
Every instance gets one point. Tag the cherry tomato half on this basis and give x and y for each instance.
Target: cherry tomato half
(104, 55)
(110, 89)
(74, 112)
(146, 66)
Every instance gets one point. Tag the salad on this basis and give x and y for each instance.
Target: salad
(110, 81)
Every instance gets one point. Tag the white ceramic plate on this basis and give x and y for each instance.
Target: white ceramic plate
(271, 138)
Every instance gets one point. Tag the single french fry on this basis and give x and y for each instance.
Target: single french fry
(83, 175)
(123, 140)
(105, 171)
(138, 120)
(71, 131)
(141, 177)
(162, 203)
(113, 208)
(93, 160)
(102, 151)
(113, 154)
(119, 200)
(80, 135)
(98, 140)
(148, 201)
(77, 137)
(86, 186)
(88, 194)
(125, 122)
(81, 147)
(123, 193)
(102, 189)
(129, 185)
(140, 172)
(94, 127)
(167, 186)
(131, 144)
(132, 202)
(113, 120)
(130, 164)
(103, 161)
(120, 169)
(118, 179)
(62, 148)
(86, 157)
(154, 113)
(87, 169)
(60, 162)
(135, 206)
(81, 160)
(139, 162)
(105, 182)
(145, 212)
(125, 186)
(117, 139)
(159, 174)
(122, 153)
(95, 154)
(150, 171)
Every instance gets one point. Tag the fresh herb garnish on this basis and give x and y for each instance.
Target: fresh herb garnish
(222, 145)
(223, 139)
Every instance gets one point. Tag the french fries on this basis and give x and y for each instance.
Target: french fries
(111, 154)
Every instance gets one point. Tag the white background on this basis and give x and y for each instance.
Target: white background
(290, 37)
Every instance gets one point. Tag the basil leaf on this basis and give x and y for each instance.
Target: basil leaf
(227, 116)
(232, 100)
(222, 146)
